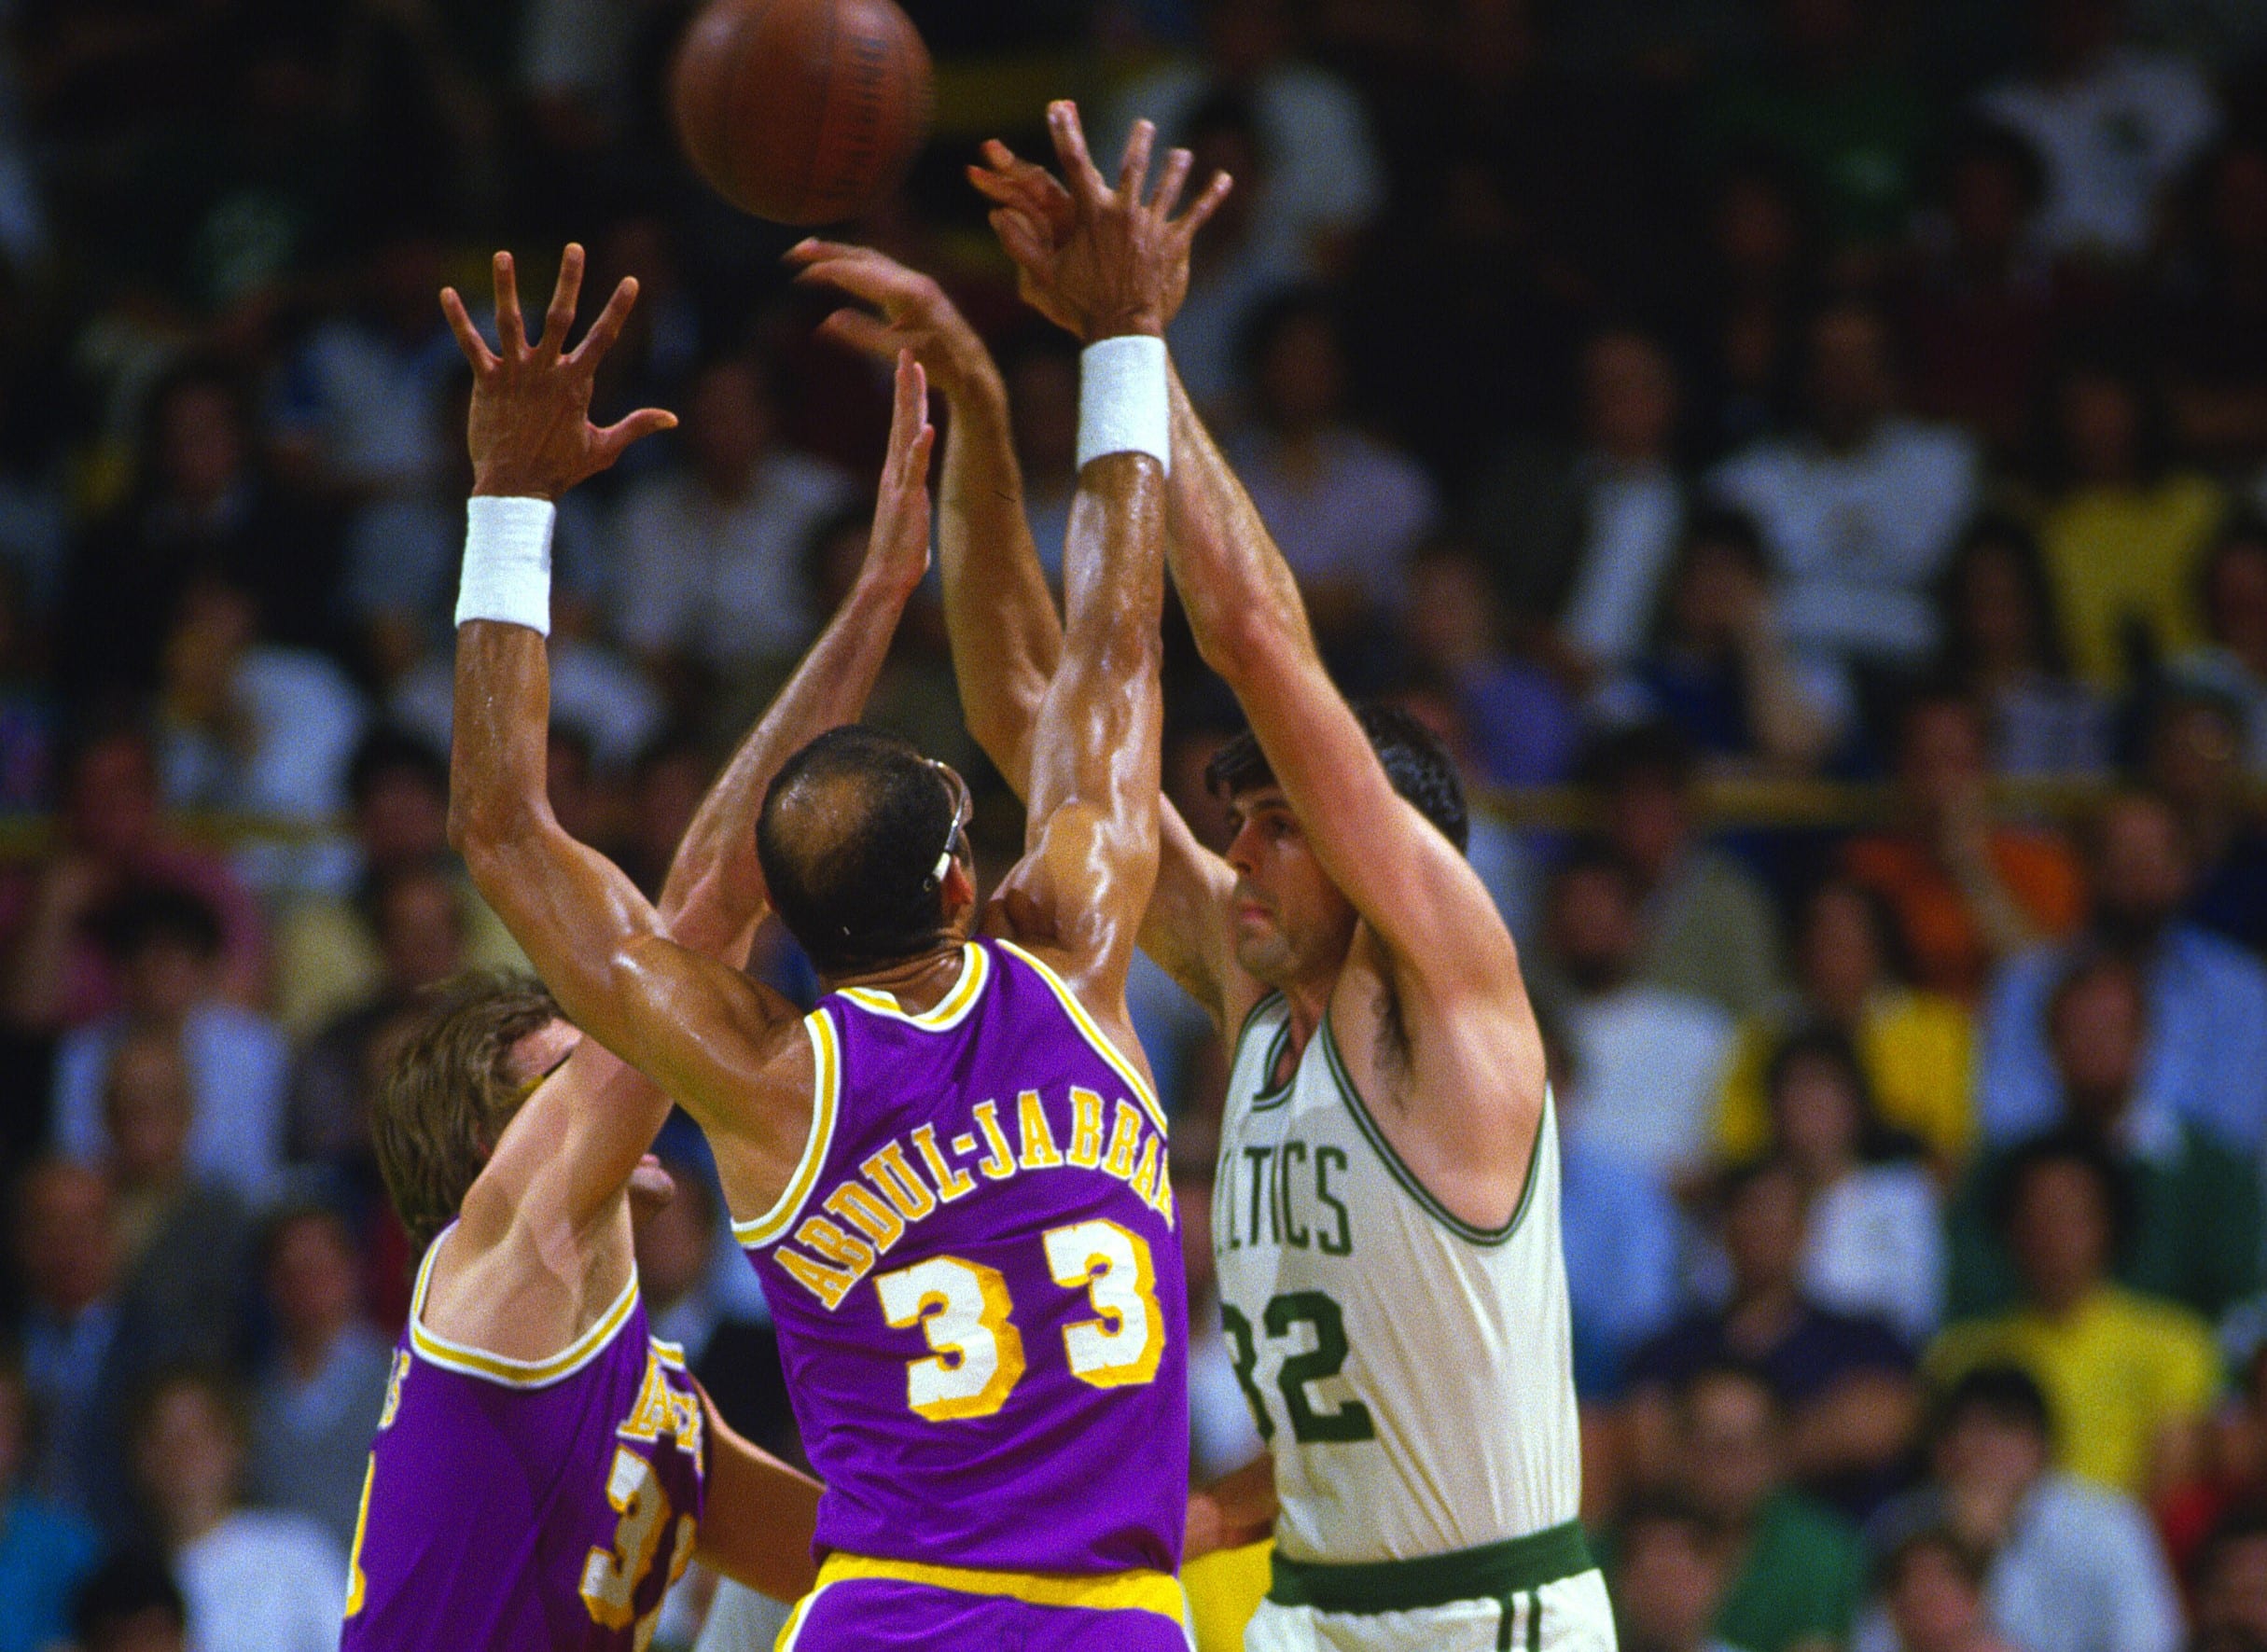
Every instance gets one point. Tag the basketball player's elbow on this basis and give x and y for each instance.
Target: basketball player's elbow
(1242, 642)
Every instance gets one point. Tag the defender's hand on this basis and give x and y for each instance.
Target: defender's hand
(898, 552)
(1115, 263)
(916, 314)
(529, 431)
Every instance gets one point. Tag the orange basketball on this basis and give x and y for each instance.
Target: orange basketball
(801, 111)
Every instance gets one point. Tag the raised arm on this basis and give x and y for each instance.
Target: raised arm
(1091, 809)
(1006, 634)
(608, 1112)
(699, 1028)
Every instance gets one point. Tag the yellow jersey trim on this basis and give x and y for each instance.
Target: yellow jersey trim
(948, 1011)
(1109, 1591)
(495, 1368)
(826, 1096)
(1095, 1036)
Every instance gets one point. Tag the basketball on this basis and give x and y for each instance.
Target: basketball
(801, 111)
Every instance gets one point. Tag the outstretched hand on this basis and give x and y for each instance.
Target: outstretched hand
(1096, 260)
(529, 431)
(915, 312)
(898, 552)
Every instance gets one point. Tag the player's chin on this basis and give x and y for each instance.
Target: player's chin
(650, 1185)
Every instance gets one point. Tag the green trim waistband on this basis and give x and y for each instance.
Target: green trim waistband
(1493, 1572)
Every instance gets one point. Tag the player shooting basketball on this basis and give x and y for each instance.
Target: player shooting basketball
(1387, 1219)
(543, 1463)
(952, 1175)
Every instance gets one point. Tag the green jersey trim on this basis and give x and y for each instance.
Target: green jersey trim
(1493, 1572)
(1409, 1179)
(1266, 1097)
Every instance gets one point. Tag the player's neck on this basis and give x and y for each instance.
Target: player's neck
(1308, 1000)
(916, 983)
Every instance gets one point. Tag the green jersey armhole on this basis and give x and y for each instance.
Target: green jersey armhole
(1410, 1184)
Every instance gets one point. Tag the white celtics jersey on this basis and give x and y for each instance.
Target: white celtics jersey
(1411, 1373)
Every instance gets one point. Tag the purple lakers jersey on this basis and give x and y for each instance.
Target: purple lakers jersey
(980, 1303)
(526, 1506)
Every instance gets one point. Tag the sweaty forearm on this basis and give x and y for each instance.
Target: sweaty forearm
(1231, 578)
(714, 894)
(1007, 639)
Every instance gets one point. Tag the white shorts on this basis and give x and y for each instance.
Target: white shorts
(1567, 1614)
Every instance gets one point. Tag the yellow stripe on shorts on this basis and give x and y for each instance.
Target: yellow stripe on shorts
(1107, 1592)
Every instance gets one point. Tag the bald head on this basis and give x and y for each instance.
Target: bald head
(857, 837)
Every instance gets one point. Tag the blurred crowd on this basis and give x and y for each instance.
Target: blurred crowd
(1651, 394)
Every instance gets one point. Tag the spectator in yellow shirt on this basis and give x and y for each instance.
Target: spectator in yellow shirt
(1916, 1047)
(2129, 1377)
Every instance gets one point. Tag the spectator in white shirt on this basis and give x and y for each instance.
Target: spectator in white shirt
(1651, 1058)
(1876, 1243)
(1330, 182)
(1348, 511)
(1861, 509)
(2071, 1566)
(711, 552)
(2115, 125)
(255, 1581)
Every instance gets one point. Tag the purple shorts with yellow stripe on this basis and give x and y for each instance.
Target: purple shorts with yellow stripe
(870, 1605)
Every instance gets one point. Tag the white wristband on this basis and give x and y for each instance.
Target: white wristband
(1123, 404)
(508, 561)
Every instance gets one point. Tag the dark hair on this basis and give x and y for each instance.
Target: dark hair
(2244, 534)
(1724, 525)
(1257, 337)
(386, 752)
(1880, 917)
(2004, 1393)
(849, 837)
(446, 1098)
(215, 1383)
(2245, 1523)
(2091, 964)
(2118, 363)
(379, 887)
(306, 1208)
(1226, 110)
(1664, 1507)
(2063, 1146)
(159, 913)
(1998, 532)
(1818, 1042)
(1418, 765)
(1890, 1569)
(129, 1585)
(1593, 855)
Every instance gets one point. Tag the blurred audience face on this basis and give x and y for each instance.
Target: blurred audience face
(167, 973)
(2195, 756)
(2142, 874)
(675, 1239)
(421, 929)
(401, 817)
(110, 798)
(1851, 388)
(2231, 1595)
(1757, 236)
(2099, 421)
(1649, 819)
(1593, 927)
(1984, 1454)
(1941, 756)
(1817, 1114)
(1667, 1585)
(200, 445)
(2060, 1234)
(65, 1252)
(147, 1107)
(1043, 391)
(1718, 590)
(728, 424)
(2235, 599)
(1837, 951)
(1992, 609)
(2097, 1030)
(1451, 618)
(1629, 398)
(1730, 1447)
(314, 1281)
(187, 1458)
(1302, 375)
(1934, 1600)
(1244, 36)
(1764, 1234)
(1988, 200)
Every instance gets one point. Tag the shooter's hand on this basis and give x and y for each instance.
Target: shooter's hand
(1114, 262)
(899, 552)
(916, 314)
(529, 431)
